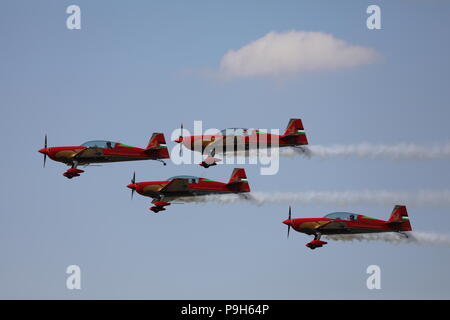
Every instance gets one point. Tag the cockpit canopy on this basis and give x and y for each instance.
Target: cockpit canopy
(100, 144)
(342, 216)
(236, 132)
(191, 179)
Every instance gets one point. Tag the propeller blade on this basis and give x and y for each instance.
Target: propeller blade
(289, 225)
(133, 181)
(181, 140)
(45, 146)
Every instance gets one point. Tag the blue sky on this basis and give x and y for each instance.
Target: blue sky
(134, 69)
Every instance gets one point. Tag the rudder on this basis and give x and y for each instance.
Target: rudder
(238, 180)
(399, 216)
(295, 132)
(157, 144)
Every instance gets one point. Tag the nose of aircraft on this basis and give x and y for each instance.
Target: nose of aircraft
(43, 150)
(179, 140)
(287, 222)
(132, 186)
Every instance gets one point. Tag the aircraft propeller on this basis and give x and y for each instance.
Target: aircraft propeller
(289, 225)
(180, 140)
(133, 182)
(45, 147)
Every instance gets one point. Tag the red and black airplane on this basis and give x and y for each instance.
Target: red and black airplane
(103, 151)
(234, 139)
(180, 187)
(348, 223)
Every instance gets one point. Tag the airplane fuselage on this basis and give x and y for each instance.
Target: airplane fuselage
(235, 143)
(153, 189)
(335, 226)
(84, 155)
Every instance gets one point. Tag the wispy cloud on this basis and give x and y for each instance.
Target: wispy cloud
(293, 52)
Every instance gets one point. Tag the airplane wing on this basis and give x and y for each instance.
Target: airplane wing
(215, 146)
(223, 145)
(89, 153)
(176, 185)
(325, 225)
(333, 225)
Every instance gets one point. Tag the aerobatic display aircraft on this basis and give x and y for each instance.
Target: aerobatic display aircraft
(179, 187)
(234, 139)
(105, 151)
(348, 223)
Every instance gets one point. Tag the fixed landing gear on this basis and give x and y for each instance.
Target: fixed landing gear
(209, 162)
(73, 171)
(316, 243)
(159, 206)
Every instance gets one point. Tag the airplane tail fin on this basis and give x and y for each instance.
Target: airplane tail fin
(295, 133)
(157, 146)
(399, 218)
(238, 181)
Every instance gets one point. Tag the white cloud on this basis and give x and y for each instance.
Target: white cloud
(287, 53)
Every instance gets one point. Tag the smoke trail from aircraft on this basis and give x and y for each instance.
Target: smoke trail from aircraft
(413, 237)
(372, 151)
(429, 198)
(401, 151)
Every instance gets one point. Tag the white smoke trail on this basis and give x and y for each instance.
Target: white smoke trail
(362, 150)
(429, 198)
(413, 237)
(366, 150)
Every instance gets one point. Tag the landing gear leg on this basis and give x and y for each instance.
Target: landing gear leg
(316, 243)
(210, 160)
(73, 172)
(159, 205)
